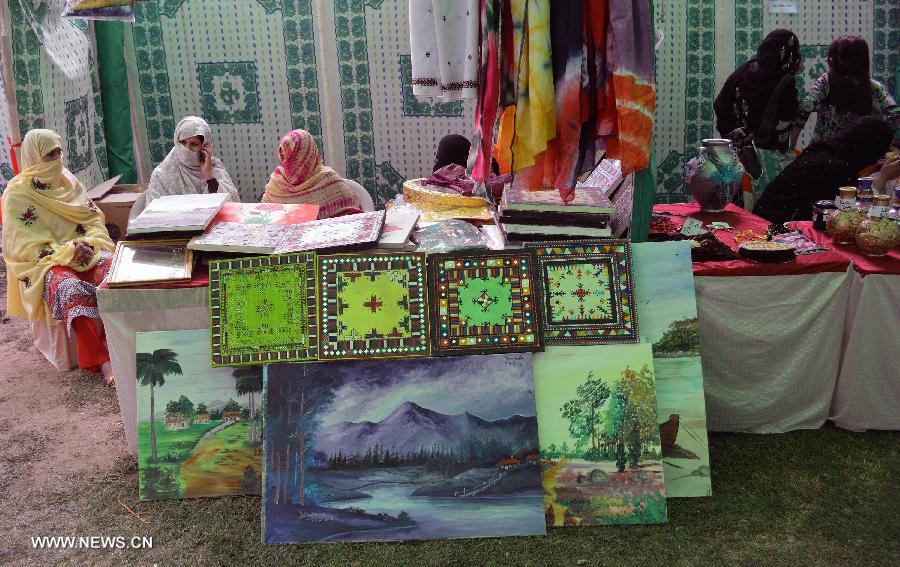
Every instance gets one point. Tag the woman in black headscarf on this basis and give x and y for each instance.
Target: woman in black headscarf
(454, 148)
(764, 82)
(822, 168)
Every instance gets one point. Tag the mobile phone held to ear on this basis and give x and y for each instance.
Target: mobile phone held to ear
(201, 157)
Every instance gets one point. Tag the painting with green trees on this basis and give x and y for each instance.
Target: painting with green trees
(600, 446)
(199, 428)
(667, 308)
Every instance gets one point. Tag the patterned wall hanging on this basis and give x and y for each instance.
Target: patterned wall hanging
(373, 306)
(263, 309)
(484, 303)
(588, 295)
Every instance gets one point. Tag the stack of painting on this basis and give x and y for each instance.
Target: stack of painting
(405, 397)
(402, 449)
(199, 428)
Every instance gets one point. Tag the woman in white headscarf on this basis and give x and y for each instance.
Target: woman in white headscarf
(56, 249)
(190, 167)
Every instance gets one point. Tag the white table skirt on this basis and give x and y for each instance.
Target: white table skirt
(867, 395)
(129, 311)
(771, 348)
(771, 345)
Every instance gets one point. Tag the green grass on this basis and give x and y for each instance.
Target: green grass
(826, 497)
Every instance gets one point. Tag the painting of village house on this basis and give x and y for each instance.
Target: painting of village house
(426, 448)
(667, 309)
(600, 444)
(199, 428)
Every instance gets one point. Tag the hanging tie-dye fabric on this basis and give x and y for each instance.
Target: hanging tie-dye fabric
(535, 122)
(630, 53)
(488, 90)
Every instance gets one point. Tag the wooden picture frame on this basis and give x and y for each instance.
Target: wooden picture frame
(178, 270)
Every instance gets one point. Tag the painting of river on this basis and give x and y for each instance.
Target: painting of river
(402, 450)
(667, 311)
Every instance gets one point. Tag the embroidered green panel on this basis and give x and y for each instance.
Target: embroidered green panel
(373, 306)
(484, 302)
(588, 291)
(263, 309)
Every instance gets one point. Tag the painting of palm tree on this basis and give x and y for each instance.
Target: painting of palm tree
(248, 381)
(152, 369)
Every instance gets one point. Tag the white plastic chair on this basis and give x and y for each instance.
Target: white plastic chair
(365, 200)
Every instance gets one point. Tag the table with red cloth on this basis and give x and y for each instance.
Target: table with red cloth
(162, 307)
(867, 394)
(771, 334)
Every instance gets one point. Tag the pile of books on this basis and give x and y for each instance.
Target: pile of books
(542, 215)
(526, 215)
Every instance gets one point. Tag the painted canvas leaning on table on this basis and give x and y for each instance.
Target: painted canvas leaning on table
(667, 309)
(199, 428)
(401, 449)
(600, 445)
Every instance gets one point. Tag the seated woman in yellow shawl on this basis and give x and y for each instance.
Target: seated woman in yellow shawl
(56, 248)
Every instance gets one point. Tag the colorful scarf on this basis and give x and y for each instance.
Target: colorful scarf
(630, 56)
(179, 173)
(535, 122)
(45, 210)
(302, 178)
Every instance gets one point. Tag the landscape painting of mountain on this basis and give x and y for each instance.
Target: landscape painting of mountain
(667, 310)
(429, 448)
(199, 428)
(600, 447)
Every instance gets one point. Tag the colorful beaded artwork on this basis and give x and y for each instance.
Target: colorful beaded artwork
(588, 294)
(263, 309)
(484, 303)
(373, 306)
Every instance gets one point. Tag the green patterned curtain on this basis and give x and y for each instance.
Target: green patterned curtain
(341, 69)
(56, 83)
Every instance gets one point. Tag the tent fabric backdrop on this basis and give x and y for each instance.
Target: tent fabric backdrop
(6, 170)
(56, 83)
(341, 69)
(256, 69)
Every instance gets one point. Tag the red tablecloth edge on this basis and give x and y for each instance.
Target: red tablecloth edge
(741, 220)
(864, 265)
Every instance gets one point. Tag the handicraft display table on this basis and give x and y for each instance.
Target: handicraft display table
(771, 333)
(867, 393)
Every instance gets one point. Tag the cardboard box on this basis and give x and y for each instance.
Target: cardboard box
(116, 205)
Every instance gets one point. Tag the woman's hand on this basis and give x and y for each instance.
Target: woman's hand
(84, 252)
(206, 166)
(890, 170)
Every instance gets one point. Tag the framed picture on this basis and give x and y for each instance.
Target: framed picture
(143, 262)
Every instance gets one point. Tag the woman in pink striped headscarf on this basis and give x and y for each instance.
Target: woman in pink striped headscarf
(303, 178)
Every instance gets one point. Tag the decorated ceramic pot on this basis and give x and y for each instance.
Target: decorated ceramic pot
(877, 234)
(714, 175)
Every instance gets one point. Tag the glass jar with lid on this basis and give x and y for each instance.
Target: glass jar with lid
(843, 223)
(894, 212)
(877, 234)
